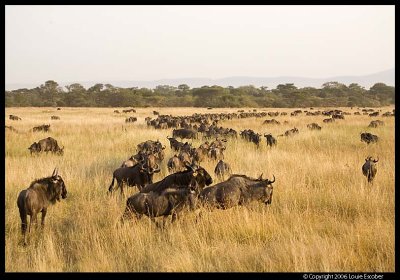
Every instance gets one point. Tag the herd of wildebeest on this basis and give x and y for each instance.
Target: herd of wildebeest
(189, 184)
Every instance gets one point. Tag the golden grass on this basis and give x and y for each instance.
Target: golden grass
(324, 216)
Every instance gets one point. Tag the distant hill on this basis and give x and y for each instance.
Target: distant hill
(387, 77)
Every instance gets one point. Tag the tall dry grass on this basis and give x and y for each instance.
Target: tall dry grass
(324, 216)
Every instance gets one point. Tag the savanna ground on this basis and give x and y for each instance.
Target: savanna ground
(324, 216)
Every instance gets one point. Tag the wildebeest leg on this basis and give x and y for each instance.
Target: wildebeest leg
(24, 224)
(174, 217)
(112, 185)
(44, 212)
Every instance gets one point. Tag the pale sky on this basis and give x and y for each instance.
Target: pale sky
(113, 43)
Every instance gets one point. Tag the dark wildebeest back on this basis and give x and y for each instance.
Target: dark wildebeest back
(40, 194)
(369, 168)
(237, 190)
(169, 202)
(180, 178)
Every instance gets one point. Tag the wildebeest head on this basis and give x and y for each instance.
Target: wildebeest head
(201, 175)
(149, 165)
(57, 187)
(369, 158)
(61, 151)
(263, 190)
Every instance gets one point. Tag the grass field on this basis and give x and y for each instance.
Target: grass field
(324, 216)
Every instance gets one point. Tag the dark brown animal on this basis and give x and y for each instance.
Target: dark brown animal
(237, 190)
(14, 118)
(170, 202)
(369, 168)
(55, 117)
(221, 169)
(44, 127)
(138, 175)
(37, 198)
(48, 144)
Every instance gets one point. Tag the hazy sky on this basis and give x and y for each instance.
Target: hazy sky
(112, 43)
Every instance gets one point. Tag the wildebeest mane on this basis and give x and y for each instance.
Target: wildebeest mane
(166, 182)
(245, 177)
(44, 180)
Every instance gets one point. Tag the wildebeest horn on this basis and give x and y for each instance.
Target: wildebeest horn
(188, 166)
(55, 171)
(260, 177)
(376, 160)
(273, 180)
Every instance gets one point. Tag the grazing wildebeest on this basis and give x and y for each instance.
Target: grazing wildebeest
(40, 194)
(156, 113)
(184, 133)
(171, 201)
(271, 141)
(116, 111)
(15, 118)
(328, 120)
(55, 117)
(48, 144)
(369, 168)
(313, 126)
(138, 175)
(43, 127)
(216, 153)
(368, 137)
(181, 178)
(58, 109)
(174, 144)
(376, 123)
(131, 119)
(290, 132)
(237, 190)
(11, 128)
(221, 169)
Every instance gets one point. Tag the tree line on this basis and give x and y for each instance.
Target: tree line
(331, 94)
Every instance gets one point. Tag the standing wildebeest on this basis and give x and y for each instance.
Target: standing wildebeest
(40, 194)
(48, 144)
(184, 133)
(43, 127)
(271, 141)
(330, 120)
(221, 169)
(313, 126)
(15, 118)
(138, 175)
(376, 123)
(140, 156)
(290, 132)
(369, 168)
(55, 117)
(237, 190)
(181, 178)
(368, 137)
(175, 164)
(131, 119)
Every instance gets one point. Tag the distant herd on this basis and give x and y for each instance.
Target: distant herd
(188, 185)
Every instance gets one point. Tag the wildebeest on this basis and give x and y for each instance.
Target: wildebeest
(221, 169)
(376, 123)
(271, 141)
(55, 117)
(131, 119)
(48, 144)
(116, 111)
(11, 128)
(273, 121)
(203, 178)
(14, 118)
(369, 168)
(170, 201)
(43, 127)
(140, 156)
(156, 113)
(184, 133)
(368, 137)
(237, 190)
(330, 120)
(40, 194)
(290, 132)
(313, 126)
(129, 110)
(175, 164)
(138, 175)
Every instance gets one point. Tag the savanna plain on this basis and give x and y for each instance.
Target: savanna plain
(324, 216)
